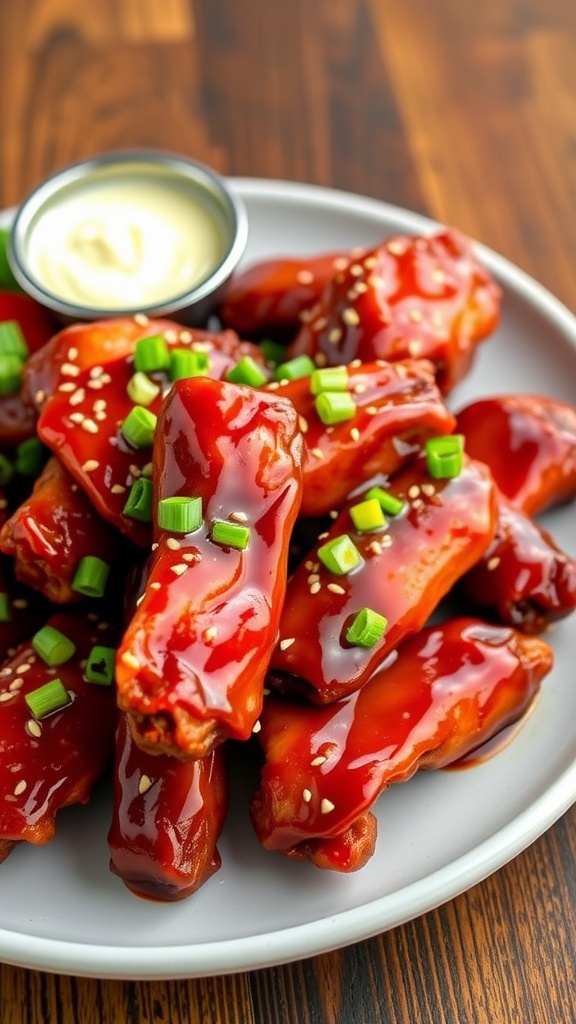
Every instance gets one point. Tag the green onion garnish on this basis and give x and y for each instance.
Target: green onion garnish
(12, 340)
(6, 470)
(367, 628)
(273, 351)
(340, 555)
(368, 515)
(5, 614)
(30, 457)
(294, 369)
(10, 374)
(100, 665)
(141, 389)
(334, 407)
(389, 503)
(247, 371)
(91, 576)
(329, 378)
(444, 456)
(48, 698)
(151, 354)
(180, 514)
(232, 535)
(184, 362)
(139, 503)
(139, 426)
(53, 646)
(7, 279)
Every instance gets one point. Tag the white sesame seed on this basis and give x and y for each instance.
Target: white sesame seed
(89, 426)
(315, 587)
(34, 728)
(156, 585)
(350, 316)
(413, 491)
(493, 563)
(306, 796)
(40, 397)
(141, 319)
(355, 434)
(192, 556)
(118, 489)
(76, 417)
(6, 696)
(359, 389)
(210, 633)
(23, 668)
(318, 760)
(69, 370)
(20, 787)
(414, 347)
(78, 397)
(287, 642)
(336, 588)
(428, 490)
(16, 684)
(257, 727)
(305, 277)
(96, 371)
(371, 410)
(326, 806)
(303, 424)
(335, 335)
(313, 577)
(72, 353)
(90, 465)
(317, 452)
(179, 569)
(173, 544)
(238, 517)
(144, 784)
(375, 547)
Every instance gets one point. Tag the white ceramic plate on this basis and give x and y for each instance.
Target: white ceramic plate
(60, 908)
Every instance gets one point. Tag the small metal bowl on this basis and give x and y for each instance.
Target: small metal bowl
(165, 178)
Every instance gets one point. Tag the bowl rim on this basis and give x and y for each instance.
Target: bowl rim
(72, 175)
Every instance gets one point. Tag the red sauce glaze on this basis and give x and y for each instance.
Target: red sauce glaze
(270, 296)
(166, 820)
(398, 407)
(407, 568)
(52, 531)
(82, 424)
(192, 662)
(523, 578)
(529, 442)
(51, 764)
(444, 692)
(423, 297)
(17, 414)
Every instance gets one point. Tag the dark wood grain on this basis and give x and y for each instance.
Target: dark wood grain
(466, 111)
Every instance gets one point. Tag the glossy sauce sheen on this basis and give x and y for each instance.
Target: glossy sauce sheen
(166, 819)
(202, 636)
(445, 692)
(48, 765)
(419, 556)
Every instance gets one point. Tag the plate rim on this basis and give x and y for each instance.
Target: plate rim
(297, 942)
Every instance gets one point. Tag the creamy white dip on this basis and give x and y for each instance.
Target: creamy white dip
(125, 243)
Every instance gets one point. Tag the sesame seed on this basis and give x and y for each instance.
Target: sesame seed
(173, 544)
(16, 684)
(315, 587)
(317, 452)
(303, 423)
(355, 434)
(414, 347)
(350, 317)
(340, 263)
(334, 513)
(192, 556)
(371, 410)
(34, 728)
(375, 547)
(90, 465)
(135, 470)
(156, 585)
(326, 806)
(78, 397)
(413, 491)
(210, 633)
(305, 277)
(313, 577)
(310, 565)
(285, 644)
(336, 588)
(428, 490)
(202, 346)
(356, 270)
(185, 337)
(318, 760)
(20, 787)
(335, 335)
(69, 370)
(76, 417)
(72, 353)
(306, 796)
(238, 517)
(359, 389)
(171, 336)
(89, 426)
(144, 784)
(22, 669)
(96, 385)
(417, 503)
(118, 489)
(129, 659)
(100, 405)
(256, 727)
(370, 262)
(40, 397)
(6, 696)
(141, 319)
(397, 247)
(493, 563)
(96, 371)
(179, 569)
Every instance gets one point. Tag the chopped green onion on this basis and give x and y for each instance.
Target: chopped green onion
(7, 279)
(180, 514)
(6, 470)
(139, 503)
(30, 457)
(151, 354)
(139, 426)
(10, 374)
(184, 362)
(273, 351)
(53, 646)
(389, 503)
(141, 389)
(340, 555)
(100, 665)
(368, 515)
(48, 698)
(247, 371)
(12, 340)
(444, 456)
(91, 576)
(367, 628)
(294, 369)
(232, 535)
(5, 614)
(334, 407)
(329, 378)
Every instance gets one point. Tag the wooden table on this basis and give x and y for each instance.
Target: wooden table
(465, 111)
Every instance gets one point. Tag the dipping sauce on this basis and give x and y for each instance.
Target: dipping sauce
(122, 242)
